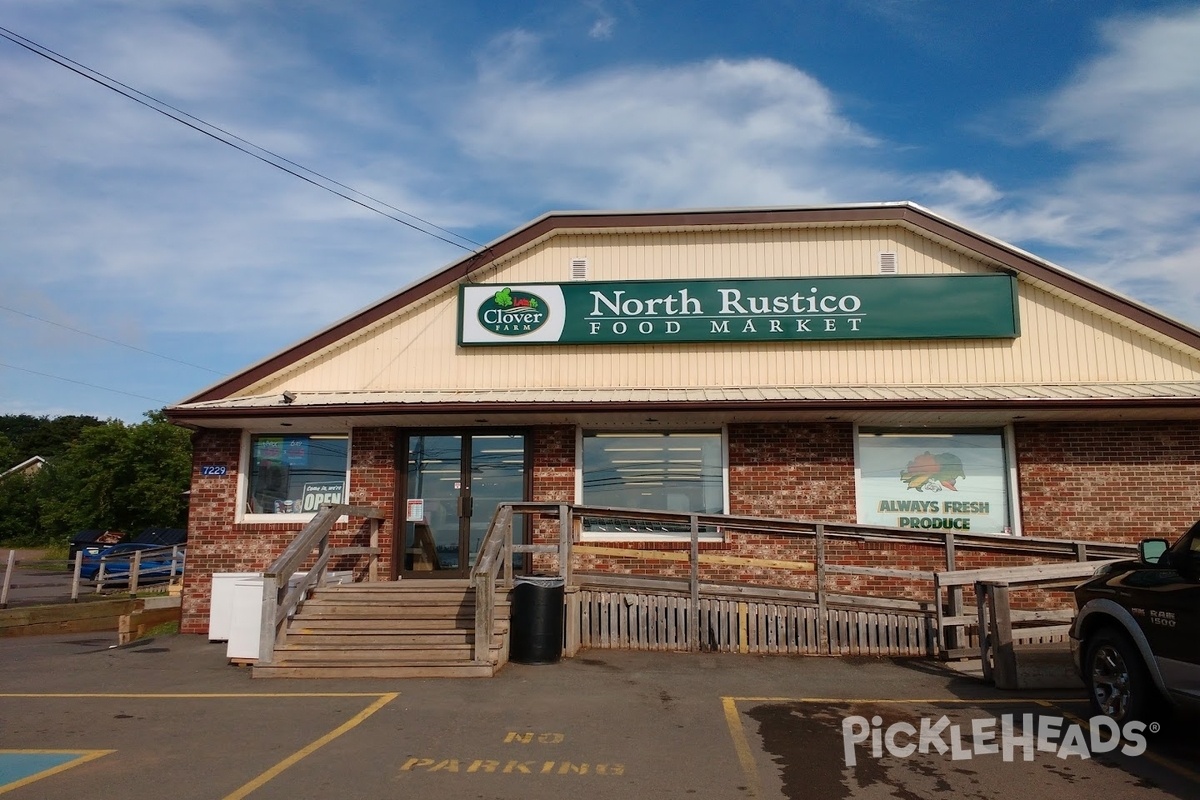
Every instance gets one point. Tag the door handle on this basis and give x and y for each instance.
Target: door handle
(465, 503)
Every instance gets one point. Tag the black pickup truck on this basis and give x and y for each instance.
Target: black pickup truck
(1136, 637)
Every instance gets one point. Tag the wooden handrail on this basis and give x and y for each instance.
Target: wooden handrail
(497, 550)
(1030, 545)
(998, 635)
(133, 576)
(278, 602)
(494, 552)
(1031, 575)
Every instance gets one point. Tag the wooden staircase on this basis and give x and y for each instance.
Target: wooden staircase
(402, 629)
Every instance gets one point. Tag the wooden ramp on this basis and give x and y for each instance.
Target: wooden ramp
(402, 629)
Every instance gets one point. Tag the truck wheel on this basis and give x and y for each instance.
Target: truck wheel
(1118, 683)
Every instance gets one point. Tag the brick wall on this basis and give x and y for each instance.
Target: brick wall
(553, 481)
(553, 464)
(216, 543)
(789, 471)
(1116, 482)
(210, 523)
(373, 483)
(792, 471)
(1120, 482)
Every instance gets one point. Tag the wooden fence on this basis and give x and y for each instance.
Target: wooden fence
(607, 610)
(125, 570)
(629, 620)
(1003, 630)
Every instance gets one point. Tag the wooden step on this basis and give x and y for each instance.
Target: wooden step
(466, 596)
(350, 611)
(395, 653)
(389, 630)
(434, 669)
(334, 639)
(415, 601)
(459, 588)
(383, 626)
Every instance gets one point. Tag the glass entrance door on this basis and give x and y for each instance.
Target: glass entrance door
(453, 483)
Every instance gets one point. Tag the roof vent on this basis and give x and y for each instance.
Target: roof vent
(579, 269)
(888, 264)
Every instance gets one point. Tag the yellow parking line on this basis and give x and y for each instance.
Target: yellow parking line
(182, 695)
(734, 720)
(274, 771)
(382, 699)
(84, 757)
(746, 756)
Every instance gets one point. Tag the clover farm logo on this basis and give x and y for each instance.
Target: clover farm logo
(513, 313)
(928, 472)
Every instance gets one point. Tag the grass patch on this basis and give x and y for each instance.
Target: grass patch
(53, 558)
(165, 629)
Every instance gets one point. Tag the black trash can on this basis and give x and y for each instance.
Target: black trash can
(537, 620)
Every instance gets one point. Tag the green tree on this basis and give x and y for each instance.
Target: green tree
(8, 454)
(19, 510)
(43, 436)
(159, 471)
(19, 521)
(119, 477)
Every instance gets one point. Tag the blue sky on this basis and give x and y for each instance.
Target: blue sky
(1066, 127)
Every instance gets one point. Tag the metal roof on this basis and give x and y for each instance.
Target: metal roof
(849, 395)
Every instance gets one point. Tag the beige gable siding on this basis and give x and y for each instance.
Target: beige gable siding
(1061, 341)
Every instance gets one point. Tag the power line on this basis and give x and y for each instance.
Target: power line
(160, 107)
(84, 383)
(110, 341)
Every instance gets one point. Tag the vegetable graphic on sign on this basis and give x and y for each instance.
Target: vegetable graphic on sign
(512, 313)
(504, 299)
(933, 472)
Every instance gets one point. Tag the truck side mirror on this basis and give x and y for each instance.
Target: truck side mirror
(1151, 551)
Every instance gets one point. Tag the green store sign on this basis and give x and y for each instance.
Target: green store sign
(743, 310)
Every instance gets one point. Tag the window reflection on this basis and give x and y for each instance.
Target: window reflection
(676, 471)
(296, 474)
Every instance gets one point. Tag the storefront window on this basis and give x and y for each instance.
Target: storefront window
(680, 472)
(934, 480)
(296, 474)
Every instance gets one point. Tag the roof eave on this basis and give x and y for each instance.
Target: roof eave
(196, 416)
(905, 212)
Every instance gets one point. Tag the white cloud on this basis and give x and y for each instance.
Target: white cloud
(1139, 97)
(169, 57)
(1125, 213)
(117, 220)
(717, 132)
(602, 29)
(955, 193)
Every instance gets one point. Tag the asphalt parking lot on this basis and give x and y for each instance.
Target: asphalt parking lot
(168, 717)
